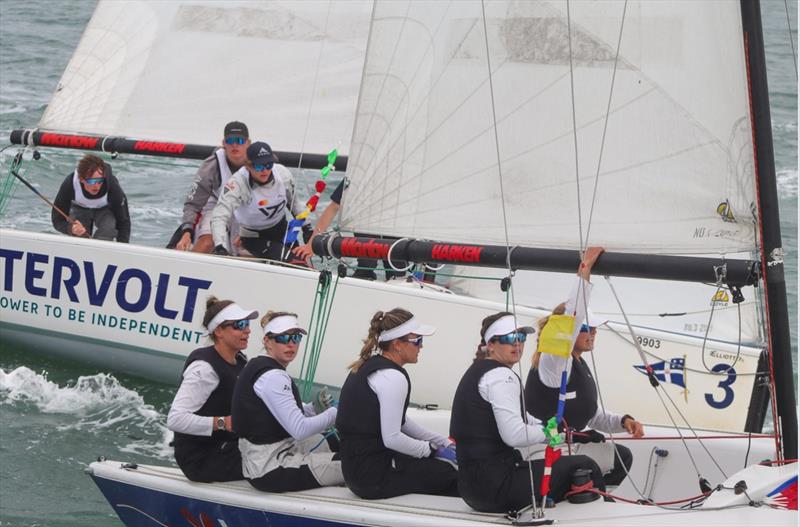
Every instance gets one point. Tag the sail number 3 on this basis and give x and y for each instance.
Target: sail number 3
(725, 384)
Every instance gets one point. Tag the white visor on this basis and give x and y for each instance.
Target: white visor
(593, 320)
(232, 312)
(412, 325)
(504, 326)
(282, 324)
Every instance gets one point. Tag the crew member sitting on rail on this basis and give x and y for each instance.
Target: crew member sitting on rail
(195, 230)
(95, 200)
(384, 453)
(206, 448)
(582, 412)
(279, 436)
(258, 196)
(489, 424)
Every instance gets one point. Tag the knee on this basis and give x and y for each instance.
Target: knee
(625, 455)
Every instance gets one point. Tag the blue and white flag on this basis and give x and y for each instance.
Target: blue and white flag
(671, 371)
(295, 226)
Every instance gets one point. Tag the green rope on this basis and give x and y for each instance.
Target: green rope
(9, 184)
(320, 315)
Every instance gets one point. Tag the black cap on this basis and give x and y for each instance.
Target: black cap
(260, 153)
(236, 129)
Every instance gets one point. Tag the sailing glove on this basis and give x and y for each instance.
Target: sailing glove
(221, 250)
(446, 454)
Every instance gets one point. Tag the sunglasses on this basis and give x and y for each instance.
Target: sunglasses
(94, 180)
(511, 338)
(415, 341)
(261, 168)
(234, 140)
(241, 325)
(285, 339)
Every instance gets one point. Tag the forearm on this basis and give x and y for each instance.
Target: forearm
(412, 429)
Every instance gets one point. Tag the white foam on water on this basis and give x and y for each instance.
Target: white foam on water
(99, 403)
(787, 182)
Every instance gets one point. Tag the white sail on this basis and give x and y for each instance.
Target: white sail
(176, 70)
(676, 171)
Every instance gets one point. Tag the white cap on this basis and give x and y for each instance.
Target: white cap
(412, 325)
(282, 324)
(231, 312)
(593, 320)
(504, 326)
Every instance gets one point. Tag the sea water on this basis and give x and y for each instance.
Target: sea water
(58, 416)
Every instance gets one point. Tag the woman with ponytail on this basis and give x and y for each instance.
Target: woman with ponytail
(384, 453)
(489, 424)
(206, 448)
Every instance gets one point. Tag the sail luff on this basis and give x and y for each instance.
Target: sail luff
(771, 244)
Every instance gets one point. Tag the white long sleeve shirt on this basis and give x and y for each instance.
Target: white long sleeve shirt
(551, 366)
(411, 438)
(275, 388)
(199, 381)
(501, 388)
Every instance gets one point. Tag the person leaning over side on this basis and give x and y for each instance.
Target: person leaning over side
(384, 453)
(488, 424)
(194, 231)
(279, 436)
(95, 199)
(257, 196)
(581, 411)
(205, 446)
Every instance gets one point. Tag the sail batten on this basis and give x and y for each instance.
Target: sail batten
(676, 174)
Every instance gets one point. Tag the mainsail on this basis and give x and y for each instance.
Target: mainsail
(177, 70)
(668, 148)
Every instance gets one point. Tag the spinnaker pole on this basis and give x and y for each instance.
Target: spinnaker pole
(771, 244)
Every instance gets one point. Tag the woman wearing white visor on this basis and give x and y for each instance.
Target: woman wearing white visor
(279, 436)
(489, 425)
(205, 444)
(384, 453)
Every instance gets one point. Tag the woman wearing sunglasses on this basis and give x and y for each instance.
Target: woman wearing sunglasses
(384, 453)
(582, 412)
(96, 202)
(279, 436)
(489, 425)
(258, 196)
(206, 447)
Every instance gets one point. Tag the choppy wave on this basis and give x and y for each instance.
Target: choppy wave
(787, 182)
(98, 404)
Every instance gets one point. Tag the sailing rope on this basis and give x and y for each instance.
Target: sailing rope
(791, 40)
(317, 327)
(9, 185)
(538, 513)
(654, 382)
(284, 248)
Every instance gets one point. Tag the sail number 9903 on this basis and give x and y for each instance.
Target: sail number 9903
(649, 342)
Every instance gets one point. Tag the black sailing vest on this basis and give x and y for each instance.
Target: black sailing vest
(472, 422)
(251, 418)
(219, 402)
(359, 417)
(542, 401)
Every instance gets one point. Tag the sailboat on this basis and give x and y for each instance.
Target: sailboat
(498, 134)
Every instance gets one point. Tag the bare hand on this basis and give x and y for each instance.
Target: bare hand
(634, 427)
(237, 242)
(185, 243)
(228, 424)
(304, 252)
(590, 257)
(78, 229)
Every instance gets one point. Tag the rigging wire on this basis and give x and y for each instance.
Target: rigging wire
(791, 39)
(538, 513)
(284, 248)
